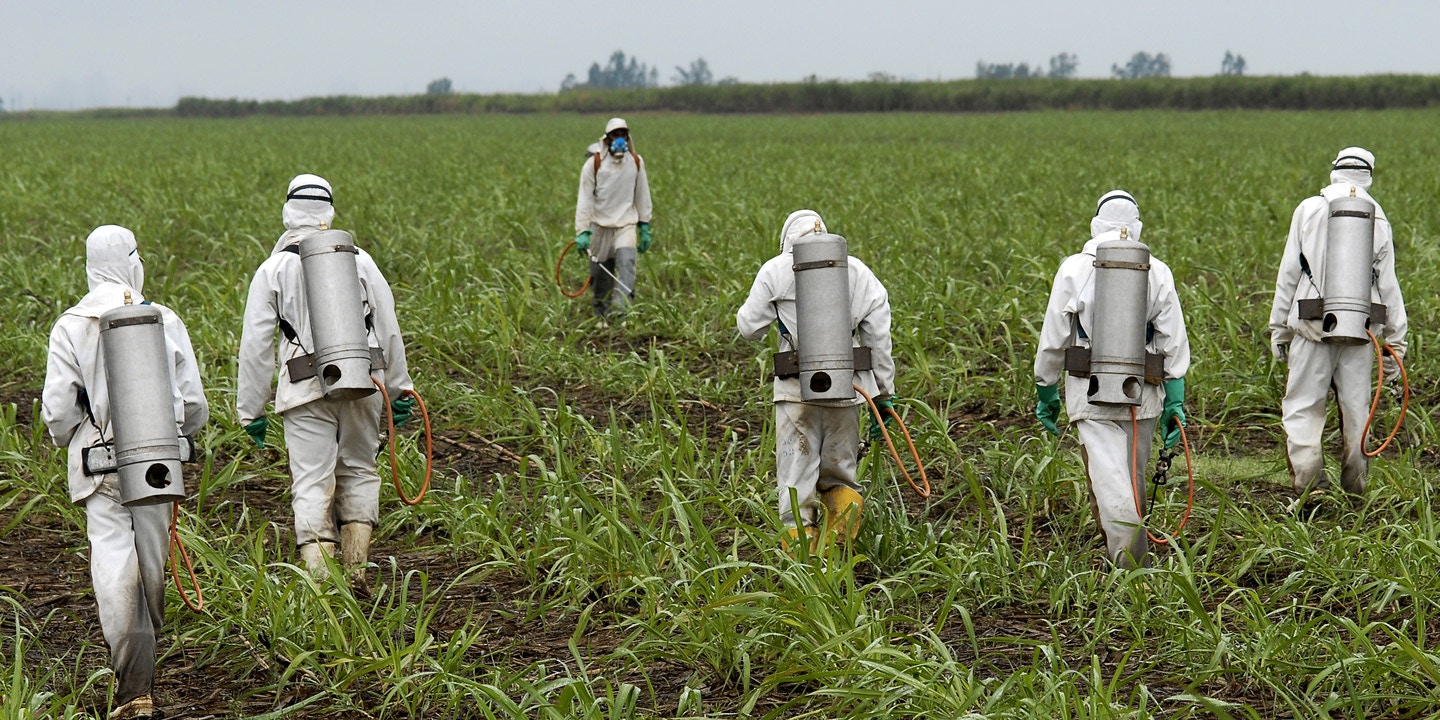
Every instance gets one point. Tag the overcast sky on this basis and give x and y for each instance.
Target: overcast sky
(89, 53)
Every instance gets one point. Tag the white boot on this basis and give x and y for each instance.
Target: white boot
(314, 555)
(355, 549)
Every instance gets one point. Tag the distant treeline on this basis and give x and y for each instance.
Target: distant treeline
(1302, 92)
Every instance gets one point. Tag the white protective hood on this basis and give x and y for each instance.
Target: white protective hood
(112, 267)
(1114, 210)
(1353, 166)
(309, 204)
(798, 225)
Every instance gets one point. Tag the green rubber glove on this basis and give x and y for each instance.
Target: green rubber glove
(1047, 407)
(582, 240)
(887, 412)
(256, 430)
(1172, 414)
(646, 237)
(402, 407)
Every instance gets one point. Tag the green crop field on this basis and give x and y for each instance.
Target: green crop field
(600, 541)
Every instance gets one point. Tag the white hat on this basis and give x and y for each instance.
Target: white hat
(615, 124)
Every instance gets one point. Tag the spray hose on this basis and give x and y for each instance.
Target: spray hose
(1379, 385)
(429, 445)
(177, 546)
(558, 264)
(1135, 478)
(923, 489)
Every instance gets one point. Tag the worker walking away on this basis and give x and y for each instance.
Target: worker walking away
(832, 317)
(339, 340)
(121, 404)
(1335, 291)
(1114, 326)
(612, 218)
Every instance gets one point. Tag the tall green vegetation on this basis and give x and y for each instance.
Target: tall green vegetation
(1373, 92)
(621, 561)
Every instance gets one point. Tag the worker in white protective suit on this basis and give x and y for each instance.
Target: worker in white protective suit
(335, 488)
(1107, 438)
(1316, 366)
(612, 217)
(817, 444)
(128, 545)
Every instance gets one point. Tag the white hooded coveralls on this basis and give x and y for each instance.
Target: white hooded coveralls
(331, 443)
(1316, 366)
(1106, 436)
(128, 545)
(614, 195)
(816, 445)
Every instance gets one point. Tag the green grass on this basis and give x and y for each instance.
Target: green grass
(626, 565)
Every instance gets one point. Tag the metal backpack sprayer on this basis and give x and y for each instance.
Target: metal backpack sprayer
(147, 450)
(342, 359)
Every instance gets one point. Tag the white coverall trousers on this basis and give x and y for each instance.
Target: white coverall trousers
(612, 277)
(1107, 453)
(128, 549)
(333, 482)
(1314, 369)
(816, 447)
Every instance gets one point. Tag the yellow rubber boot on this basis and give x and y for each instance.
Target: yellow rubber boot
(791, 534)
(842, 511)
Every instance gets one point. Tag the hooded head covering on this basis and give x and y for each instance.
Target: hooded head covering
(111, 256)
(113, 269)
(615, 124)
(1353, 166)
(309, 203)
(798, 225)
(1116, 209)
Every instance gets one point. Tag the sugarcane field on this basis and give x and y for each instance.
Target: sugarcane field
(598, 535)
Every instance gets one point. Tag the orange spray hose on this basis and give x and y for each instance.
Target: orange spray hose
(177, 545)
(1135, 479)
(563, 291)
(1380, 385)
(429, 445)
(923, 489)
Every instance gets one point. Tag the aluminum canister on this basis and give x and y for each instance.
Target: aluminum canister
(337, 314)
(142, 405)
(1349, 261)
(822, 306)
(1117, 342)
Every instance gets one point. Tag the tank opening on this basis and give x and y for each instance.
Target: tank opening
(820, 382)
(331, 374)
(1329, 323)
(1131, 387)
(157, 476)
(1094, 386)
